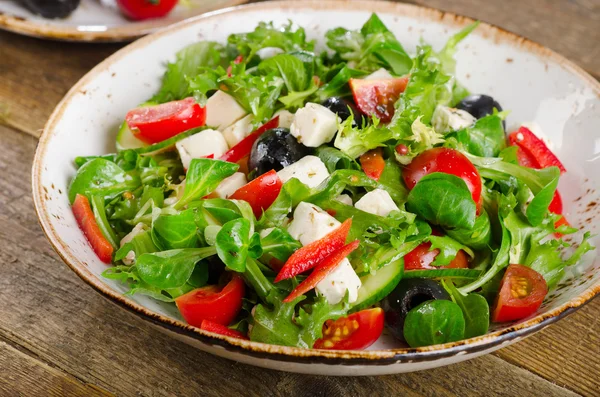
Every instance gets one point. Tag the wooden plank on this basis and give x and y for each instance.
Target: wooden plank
(50, 313)
(22, 375)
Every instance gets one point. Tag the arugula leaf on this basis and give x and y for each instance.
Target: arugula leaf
(175, 231)
(444, 200)
(475, 309)
(103, 178)
(175, 84)
(485, 138)
(170, 269)
(434, 322)
(235, 241)
(203, 176)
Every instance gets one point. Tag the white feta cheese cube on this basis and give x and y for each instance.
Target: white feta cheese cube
(447, 119)
(269, 52)
(311, 223)
(334, 286)
(222, 110)
(314, 125)
(377, 202)
(344, 199)
(285, 118)
(230, 184)
(379, 74)
(537, 131)
(238, 130)
(202, 144)
(309, 170)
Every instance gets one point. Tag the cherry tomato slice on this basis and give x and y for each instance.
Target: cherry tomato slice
(221, 329)
(373, 163)
(213, 303)
(377, 97)
(243, 148)
(535, 148)
(146, 9)
(445, 160)
(422, 258)
(314, 253)
(322, 270)
(260, 193)
(355, 332)
(153, 124)
(522, 291)
(87, 223)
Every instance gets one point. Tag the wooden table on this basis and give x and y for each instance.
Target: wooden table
(59, 337)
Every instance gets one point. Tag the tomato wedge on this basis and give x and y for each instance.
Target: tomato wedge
(146, 9)
(422, 258)
(377, 97)
(522, 292)
(213, 303)
(355, 332)
(153, 124)
(221, 329)
(373, 163)
(445, 160)
(260, 192)
(535, 148)
(87, 223)
(312, 254)
(242, 149)
(323, 269)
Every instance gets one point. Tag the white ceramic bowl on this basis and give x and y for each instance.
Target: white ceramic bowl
(533, 82)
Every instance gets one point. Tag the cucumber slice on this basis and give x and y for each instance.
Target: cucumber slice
(377, 286)
(126, 139)
(435, 273)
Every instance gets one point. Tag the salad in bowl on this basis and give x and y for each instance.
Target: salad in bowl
(314, 199)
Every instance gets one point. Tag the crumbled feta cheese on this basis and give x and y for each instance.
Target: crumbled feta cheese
(222, 110)
(130, 257)
(229, 185)
(285, 118)
(447, 119)
(238, 130)
(314, 125)
(344, 199)
(377, 202)
(334, 286)
(379, 74)
(269, 52)
(309, 170)
(202, 144)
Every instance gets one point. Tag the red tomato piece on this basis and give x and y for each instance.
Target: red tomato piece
(322, 270)
(146, 9)
(213, 303)
(87, 223)
(260, 193)
(377, 97)
(153, 124)
(373, 163)
(355, 332)
(535, 148)
(239, 59)
(445, 160)
(221, 329)
(314, 253)
(242, 149)
(522, 291)
(422, 258)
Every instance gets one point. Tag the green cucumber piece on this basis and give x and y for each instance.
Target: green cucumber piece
(435, 273)
(377, 286)
(126, 139)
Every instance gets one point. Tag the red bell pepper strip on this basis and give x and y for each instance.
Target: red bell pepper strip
(323, 269)
(536, 148)
(372, 163)
(314, 253)
(242, 149)
(87, 223)
(220, 329)
(260, 193)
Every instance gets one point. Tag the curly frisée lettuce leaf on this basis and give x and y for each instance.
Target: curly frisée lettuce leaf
(423, 137)
(354, 141)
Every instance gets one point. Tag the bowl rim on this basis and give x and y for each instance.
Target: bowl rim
(286, 353)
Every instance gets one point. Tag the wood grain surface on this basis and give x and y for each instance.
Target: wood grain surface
(59, 337)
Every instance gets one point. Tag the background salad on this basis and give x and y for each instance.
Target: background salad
(309, 199)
